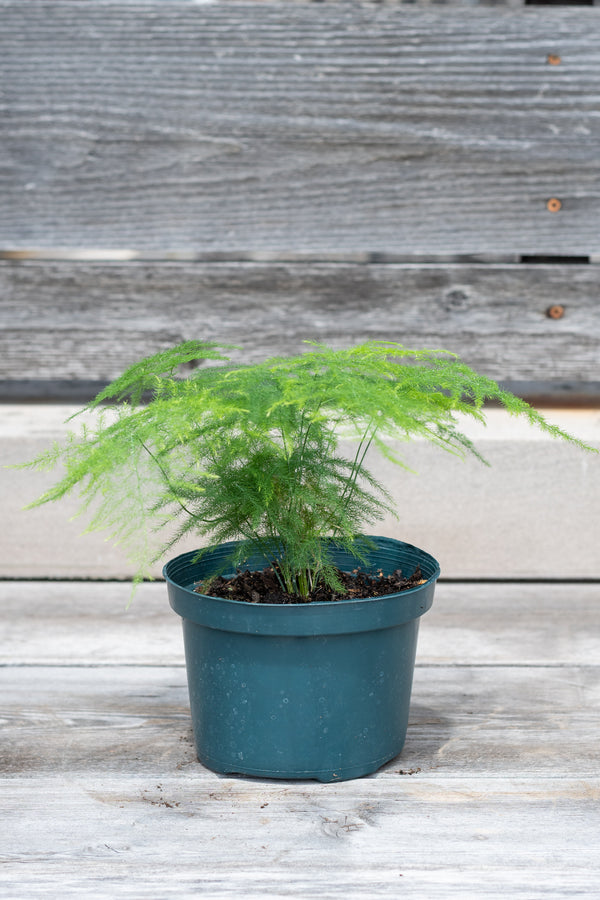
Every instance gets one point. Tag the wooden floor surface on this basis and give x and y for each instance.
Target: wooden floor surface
(496, 794)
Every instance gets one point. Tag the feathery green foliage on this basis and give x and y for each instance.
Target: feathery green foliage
(251, 452)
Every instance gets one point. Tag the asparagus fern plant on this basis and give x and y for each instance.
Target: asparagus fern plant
(251, 452)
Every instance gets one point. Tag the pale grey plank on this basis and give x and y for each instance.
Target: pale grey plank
(283, 126)
(72, 322)
(500, 721)
(510, 624)
(396, 836)
(410, 3)
(87, 623)
(63, 623)
(533, 514)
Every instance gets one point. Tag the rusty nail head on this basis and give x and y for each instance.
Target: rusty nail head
(553, 205)
(554, 59)
(555, 312)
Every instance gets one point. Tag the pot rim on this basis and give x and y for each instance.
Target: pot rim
(296, 619)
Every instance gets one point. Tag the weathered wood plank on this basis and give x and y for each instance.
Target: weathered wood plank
(411, 3)
(236, 126)
(413, 837)
(90, 623)
(533, 514)
(510, 624)
(489, 720)
(87, 623)
(70, 322)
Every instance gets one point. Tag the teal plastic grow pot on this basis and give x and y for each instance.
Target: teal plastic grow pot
(316, 690)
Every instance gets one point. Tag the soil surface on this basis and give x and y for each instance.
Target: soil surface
(263, 587)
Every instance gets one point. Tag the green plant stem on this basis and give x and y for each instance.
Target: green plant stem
(167, 481)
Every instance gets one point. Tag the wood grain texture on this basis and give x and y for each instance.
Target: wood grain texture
(278, 126)
(490, 720)
(495, 794)
(410, 3)
(65, 324)
(101, 792)
(415, 837)
(56, 623)
(532, 514)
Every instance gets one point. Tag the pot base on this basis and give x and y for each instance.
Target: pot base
(325, 776)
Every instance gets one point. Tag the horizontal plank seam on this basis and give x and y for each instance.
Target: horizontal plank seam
(529, 581)
(418, 665)
(367, 257)
(282, 786)
(42, 579)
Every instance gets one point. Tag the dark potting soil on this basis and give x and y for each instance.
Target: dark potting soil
(263, 587)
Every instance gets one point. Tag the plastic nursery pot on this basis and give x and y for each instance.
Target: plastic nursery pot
(317, 690)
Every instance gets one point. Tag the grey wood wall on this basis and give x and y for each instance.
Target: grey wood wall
(273, 171)
(268, 172)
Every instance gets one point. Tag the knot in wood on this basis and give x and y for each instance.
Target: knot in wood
(456, 300)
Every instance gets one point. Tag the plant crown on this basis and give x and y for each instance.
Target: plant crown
(251, 452)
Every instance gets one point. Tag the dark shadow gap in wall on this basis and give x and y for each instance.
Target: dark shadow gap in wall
(79, 579)
(581, 395)
(559, 2)
(538, 259)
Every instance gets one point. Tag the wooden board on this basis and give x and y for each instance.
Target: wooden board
(58, 623)
(533, 514)
(101, 792)
(484, 721)
(410, 3)
(279, 126)
(66, 327)
(497, 784)
(409, 836)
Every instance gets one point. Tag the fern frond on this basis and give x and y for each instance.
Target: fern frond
(251, 453)
(154, 373)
